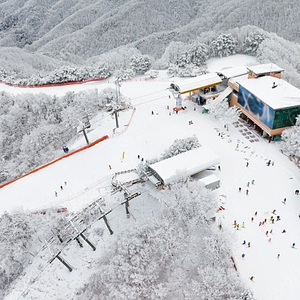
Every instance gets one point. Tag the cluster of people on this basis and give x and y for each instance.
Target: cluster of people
(61, 188)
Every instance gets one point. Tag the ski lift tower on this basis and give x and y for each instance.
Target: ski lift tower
(81, 128)
(175, 90)
(117, 106)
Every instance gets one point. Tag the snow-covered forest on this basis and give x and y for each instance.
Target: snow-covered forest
(36, 127)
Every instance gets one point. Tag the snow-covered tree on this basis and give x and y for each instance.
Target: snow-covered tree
(140, 63)
(185, 71)
(291, 142)
(219, 109)
(124, 74)
(172, 53)
(195, 53)
(180, 146)
(252, 42)
(224, 45)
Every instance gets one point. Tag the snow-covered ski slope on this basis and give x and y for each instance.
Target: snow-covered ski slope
(87, 174)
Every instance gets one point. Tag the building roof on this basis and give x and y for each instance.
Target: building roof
(265, 68)
(282, 96)
(233, 72)
(185, 164)
(198, 82)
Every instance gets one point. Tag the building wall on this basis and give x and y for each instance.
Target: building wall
(292, 113)
(273, 74)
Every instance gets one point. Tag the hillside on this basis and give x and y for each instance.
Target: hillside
(83, 29)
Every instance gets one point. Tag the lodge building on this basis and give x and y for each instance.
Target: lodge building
(267, 101)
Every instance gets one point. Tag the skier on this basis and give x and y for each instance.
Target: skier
(248, 183)
(243, 255)
(109, 166)
(252, 278)
(61, 188)
(255, 214)
(243, 224)
(248, 244)
(244, 242)
(252, 219)
(55, 193)
(240, 189)
(247, 192)
(252, 181)
(247, 164)
(278, 255)
(293, 245)
(284, 201)
(296, 192)
(267, 232)
(152, 112)
(283, 231)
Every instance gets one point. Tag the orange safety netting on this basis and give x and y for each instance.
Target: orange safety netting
(56, 160)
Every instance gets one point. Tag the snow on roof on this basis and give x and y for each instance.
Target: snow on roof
(265, 68)
(224, 94)
(282, 96)
(186, 164)
(233, 72)
(198, 82)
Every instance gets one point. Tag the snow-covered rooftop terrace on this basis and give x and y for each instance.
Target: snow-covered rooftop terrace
(282, 96)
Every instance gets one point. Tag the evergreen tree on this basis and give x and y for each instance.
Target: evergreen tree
(140, 63)
(252, 42)
(224, 45)
(291, 143)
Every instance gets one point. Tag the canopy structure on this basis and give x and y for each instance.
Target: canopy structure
(224, 94)
(233, 72)
(199, 82)
(185, 164)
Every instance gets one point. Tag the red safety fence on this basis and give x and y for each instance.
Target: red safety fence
(56, 160)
